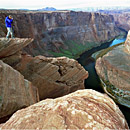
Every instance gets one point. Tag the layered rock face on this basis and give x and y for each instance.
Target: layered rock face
(12, 46)
(83, 109)
(54, 77)
(15, 91)
(114, 71)
(122, 19)
(10, 50)
(61, 33)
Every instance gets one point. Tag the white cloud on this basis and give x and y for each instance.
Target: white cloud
(60, 4)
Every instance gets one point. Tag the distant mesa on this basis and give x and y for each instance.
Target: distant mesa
(101, 9)
(47, 9)
(43, 9)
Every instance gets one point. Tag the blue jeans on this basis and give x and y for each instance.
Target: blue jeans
(10, 31)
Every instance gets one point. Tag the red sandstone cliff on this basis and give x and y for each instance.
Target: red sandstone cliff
(114, 70)
(68, 32)
(121, 18)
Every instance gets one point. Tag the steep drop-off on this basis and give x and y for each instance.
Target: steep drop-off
(53, 77)
(114, 70)
(121, 18)
(61, 33)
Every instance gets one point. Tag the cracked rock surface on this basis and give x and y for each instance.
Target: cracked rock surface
(83, 109)
(53, 77)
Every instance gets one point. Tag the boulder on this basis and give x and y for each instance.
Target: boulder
(15, 91)
(83, 109)
(114, 72)
(53, 77)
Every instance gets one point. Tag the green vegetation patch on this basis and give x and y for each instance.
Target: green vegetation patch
(105, 51)
(0, 99)
(120, 96)
(74, 49)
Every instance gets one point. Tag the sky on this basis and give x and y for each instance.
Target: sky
(60, 4)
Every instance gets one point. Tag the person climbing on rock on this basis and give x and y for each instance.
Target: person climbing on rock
(8, 22)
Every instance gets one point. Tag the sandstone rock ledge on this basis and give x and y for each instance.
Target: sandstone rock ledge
(10, 50)
(74, 32)
(114, 71)
(15, 91)
(12, 46)
(53, 77)
(83, 109)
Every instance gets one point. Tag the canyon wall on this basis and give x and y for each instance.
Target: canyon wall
(121, 18)
(114, 71)
(61, 33)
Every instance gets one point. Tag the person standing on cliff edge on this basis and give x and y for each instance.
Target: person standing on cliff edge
(8, 22)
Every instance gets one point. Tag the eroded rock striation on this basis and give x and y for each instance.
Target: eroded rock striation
(15, 91)
(83, 109)
(114, 71)
(122, 20)
(9, 47)
(54, 77)
(61, 33)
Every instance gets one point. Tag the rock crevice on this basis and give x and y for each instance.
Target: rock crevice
(54, 77)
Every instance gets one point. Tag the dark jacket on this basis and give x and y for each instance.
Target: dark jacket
(8, 22)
